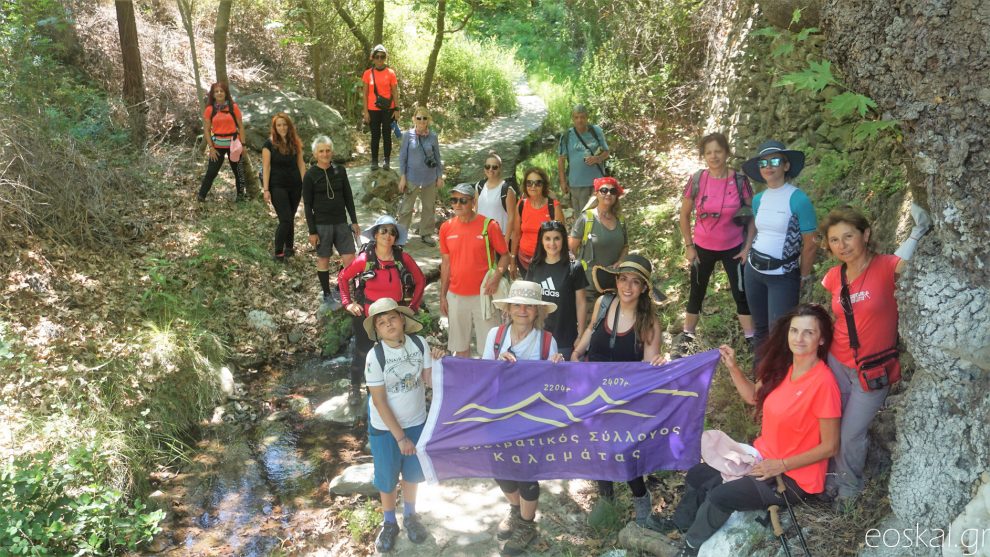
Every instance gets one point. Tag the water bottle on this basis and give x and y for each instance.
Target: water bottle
(396, 130)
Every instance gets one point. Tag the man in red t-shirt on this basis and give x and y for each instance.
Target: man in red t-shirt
(463, 266)
(380, 81)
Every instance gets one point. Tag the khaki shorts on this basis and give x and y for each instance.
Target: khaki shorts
(462, 313)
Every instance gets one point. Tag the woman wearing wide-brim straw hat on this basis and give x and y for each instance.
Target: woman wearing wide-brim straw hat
(628, 331)
(782, 256)
(523, 338)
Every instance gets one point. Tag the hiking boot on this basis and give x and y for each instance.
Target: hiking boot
(373, 166)
(684, 345)
(508, 524)
(328, 303)
(644, 514)
(414, 529)
(664, 525)
(386, 166)
(385, 541)
(522, 536)
(687, 551)
(428, 240)
(751, 344)
(201, 198)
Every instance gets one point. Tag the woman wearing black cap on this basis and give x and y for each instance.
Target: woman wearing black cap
(381, 93)
(783, 251)
(628, 331)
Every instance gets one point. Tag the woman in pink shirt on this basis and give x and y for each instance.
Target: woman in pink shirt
(865, 364)
(714, 196)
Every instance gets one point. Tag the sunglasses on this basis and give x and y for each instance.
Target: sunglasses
(608, 191)
(492, 166)
(461, 200)
(379, 56)
(534, 183)
(771, 162)
(421, 118)
(388, 230)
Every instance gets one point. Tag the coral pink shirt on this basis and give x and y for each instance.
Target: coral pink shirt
(790, 422)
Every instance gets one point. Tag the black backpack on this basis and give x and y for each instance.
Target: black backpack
(506, 184)
(371, 258)
(380, 350)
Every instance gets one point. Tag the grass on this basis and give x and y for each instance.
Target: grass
(363, 521)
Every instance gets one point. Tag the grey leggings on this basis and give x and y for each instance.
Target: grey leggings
(859, 407)
(769, 297)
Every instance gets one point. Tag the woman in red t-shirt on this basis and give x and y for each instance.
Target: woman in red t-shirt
(798, 401)
(870, 278)
(534, 209)
(221, 124)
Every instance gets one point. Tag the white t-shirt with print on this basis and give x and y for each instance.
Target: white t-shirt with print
(403, 381)
(528, 349)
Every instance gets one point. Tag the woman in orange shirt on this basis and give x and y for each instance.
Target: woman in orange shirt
(798, 400)
(535, 208)
(221, 124)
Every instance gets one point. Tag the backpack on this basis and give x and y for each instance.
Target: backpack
(371, 263)
(380, 350)
(740, 186)
(589, 221)
(230, 108)
(544, 344)
(549, 207)
(506, 184)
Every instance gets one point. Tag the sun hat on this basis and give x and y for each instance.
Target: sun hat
(385, 305)
(464, 188)
(525, 292)
(383, 220)
(605, 277)
(608, 181)
(379, 48)
(769, 147)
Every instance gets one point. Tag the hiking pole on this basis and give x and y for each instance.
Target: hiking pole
(782, 490)
(778, 530)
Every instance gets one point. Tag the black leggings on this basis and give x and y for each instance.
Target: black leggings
(702, 273)
(213, 168)
(636, 485)
(528, 491)
(286, 203)
(381, 127)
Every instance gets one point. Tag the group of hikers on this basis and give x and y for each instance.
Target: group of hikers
(523, 285)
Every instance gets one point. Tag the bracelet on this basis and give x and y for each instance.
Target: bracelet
(399, 442)
(784, 464)
(689, 245)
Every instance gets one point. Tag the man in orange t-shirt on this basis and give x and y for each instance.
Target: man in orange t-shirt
(381, 79)
(463, 266)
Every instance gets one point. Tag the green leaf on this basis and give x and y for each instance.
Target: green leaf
(782, 49)
(803, 35)
(796, 16)
(766, 32)
(870, 129)
(817, 76)
(848, 103)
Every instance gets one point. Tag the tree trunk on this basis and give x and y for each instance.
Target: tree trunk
(130, 50)
(379, 21)
(186, 11)
(431, 66)
(353, 26)
(220, 39)
(313, 50)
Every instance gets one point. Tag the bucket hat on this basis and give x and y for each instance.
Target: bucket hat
(770, 147)
(525, 292)
(385, 305)
(605, 277)
(383, 220)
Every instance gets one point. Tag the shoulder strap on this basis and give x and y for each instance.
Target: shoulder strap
(846, 302)
(696, 185)
(488, 244)
(589, 221)
(603, 310)
(581, 139)
(419, 344)
(380, 354)
(479, 186)
(500, 338)
(504, 192)
(549, 207)
(740, 185)
(519, 204)
(545, 345)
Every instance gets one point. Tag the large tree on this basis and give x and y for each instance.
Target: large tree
(133, 90)
(187, 10)
(220, 39)
(467, 8)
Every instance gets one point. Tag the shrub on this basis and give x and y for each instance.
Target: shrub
(59, 508)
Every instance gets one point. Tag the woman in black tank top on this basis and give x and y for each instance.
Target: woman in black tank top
(628, 331)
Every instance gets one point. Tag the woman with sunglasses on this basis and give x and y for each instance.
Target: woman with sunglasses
(374, 274)
(420, 175)
(782, 255)
(563, 283)
(381, 93)
(495, 197)
(534, 209)
(714, 195)
(598, 236)
(862, 289)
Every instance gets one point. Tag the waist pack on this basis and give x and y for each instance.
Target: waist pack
(763, 262)
(875, 371)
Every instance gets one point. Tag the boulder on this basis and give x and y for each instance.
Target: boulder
(226, 381)
(337, 410)
(355, 479)
(310, 116)
(381, 184)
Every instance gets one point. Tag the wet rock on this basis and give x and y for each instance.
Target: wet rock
(355, 480)
(310, 116)
(743, 535)
(297, 404)
(261, 321)
(161, 542)
(226, 381)
(337, 410)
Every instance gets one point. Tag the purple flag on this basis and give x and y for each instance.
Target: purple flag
(534, 420)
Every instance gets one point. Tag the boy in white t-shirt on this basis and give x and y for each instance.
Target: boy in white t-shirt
(397, 370)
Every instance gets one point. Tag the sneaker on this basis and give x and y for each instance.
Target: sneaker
(200, 198)
(386, 166)
(385, 541)
(428, 240)
(751, 344)
(328, 303)
(373, 166)
(683, 346)
(414, 529)
(278, 257)
(289, 252)
(687, 551)
(508, 524)
(522, 537)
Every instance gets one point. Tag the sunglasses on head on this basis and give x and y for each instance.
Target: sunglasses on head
(772, 162)
(421, 118)
(552, 225)
(391, 231)
(534, 183)
(460, 200)
(605, 190)
(492, 166)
